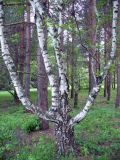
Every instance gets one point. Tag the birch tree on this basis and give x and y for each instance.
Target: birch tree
(59, 110)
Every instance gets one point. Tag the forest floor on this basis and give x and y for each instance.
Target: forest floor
(97, 136)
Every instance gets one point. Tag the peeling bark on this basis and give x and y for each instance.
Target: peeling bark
(60, 104)
(65, 138)
(63, 85)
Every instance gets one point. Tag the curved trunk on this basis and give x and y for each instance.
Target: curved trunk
(62, 129)
(15, 80)
(60, 109)
(94, 92)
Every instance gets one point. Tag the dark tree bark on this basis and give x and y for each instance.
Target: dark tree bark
(72, 57)
(42, 82)
(16, 99)
(98, 53)
(91, 17)
(117, 103)
(28, 54)
(108, 86)
(68, 56)
(76, 82)
(75, 99)
(107, 38)
(105, 59)
(91, 76)
(109, 76)
(22, 56)
(74, 76)
(114, 80)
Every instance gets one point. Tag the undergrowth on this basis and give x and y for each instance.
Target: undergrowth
(97, 136)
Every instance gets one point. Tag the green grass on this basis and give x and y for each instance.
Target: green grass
(7, 98)
(14, 123)
(97, 136)
(17, 118)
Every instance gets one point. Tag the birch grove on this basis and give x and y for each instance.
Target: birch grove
(58, 112)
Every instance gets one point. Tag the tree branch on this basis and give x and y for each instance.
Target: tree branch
(11, 68)
(93, 94)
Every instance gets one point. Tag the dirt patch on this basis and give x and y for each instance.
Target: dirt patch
(28, 139)
(36, 135)
(116, 119)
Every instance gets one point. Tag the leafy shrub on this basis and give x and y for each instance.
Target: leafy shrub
(31, 124)
(20, 119)
(10, 122)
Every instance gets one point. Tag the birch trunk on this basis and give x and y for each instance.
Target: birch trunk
(64, 133)
(94, 92)
(64, 125)
(60, 109)
(15, 80)
(64, 140)
(10, 64)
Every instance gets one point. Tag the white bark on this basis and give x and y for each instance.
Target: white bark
(56, 32)
(58, 52)
(37, 6)
(62, 120)
(11, 68)
(56, 41)
(96, 89)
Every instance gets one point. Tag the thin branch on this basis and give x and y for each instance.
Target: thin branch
(80, 39)
(14, 77)
(94, 92)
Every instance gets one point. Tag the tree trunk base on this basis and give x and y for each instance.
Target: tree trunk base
(45, 124)
(64, 139)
